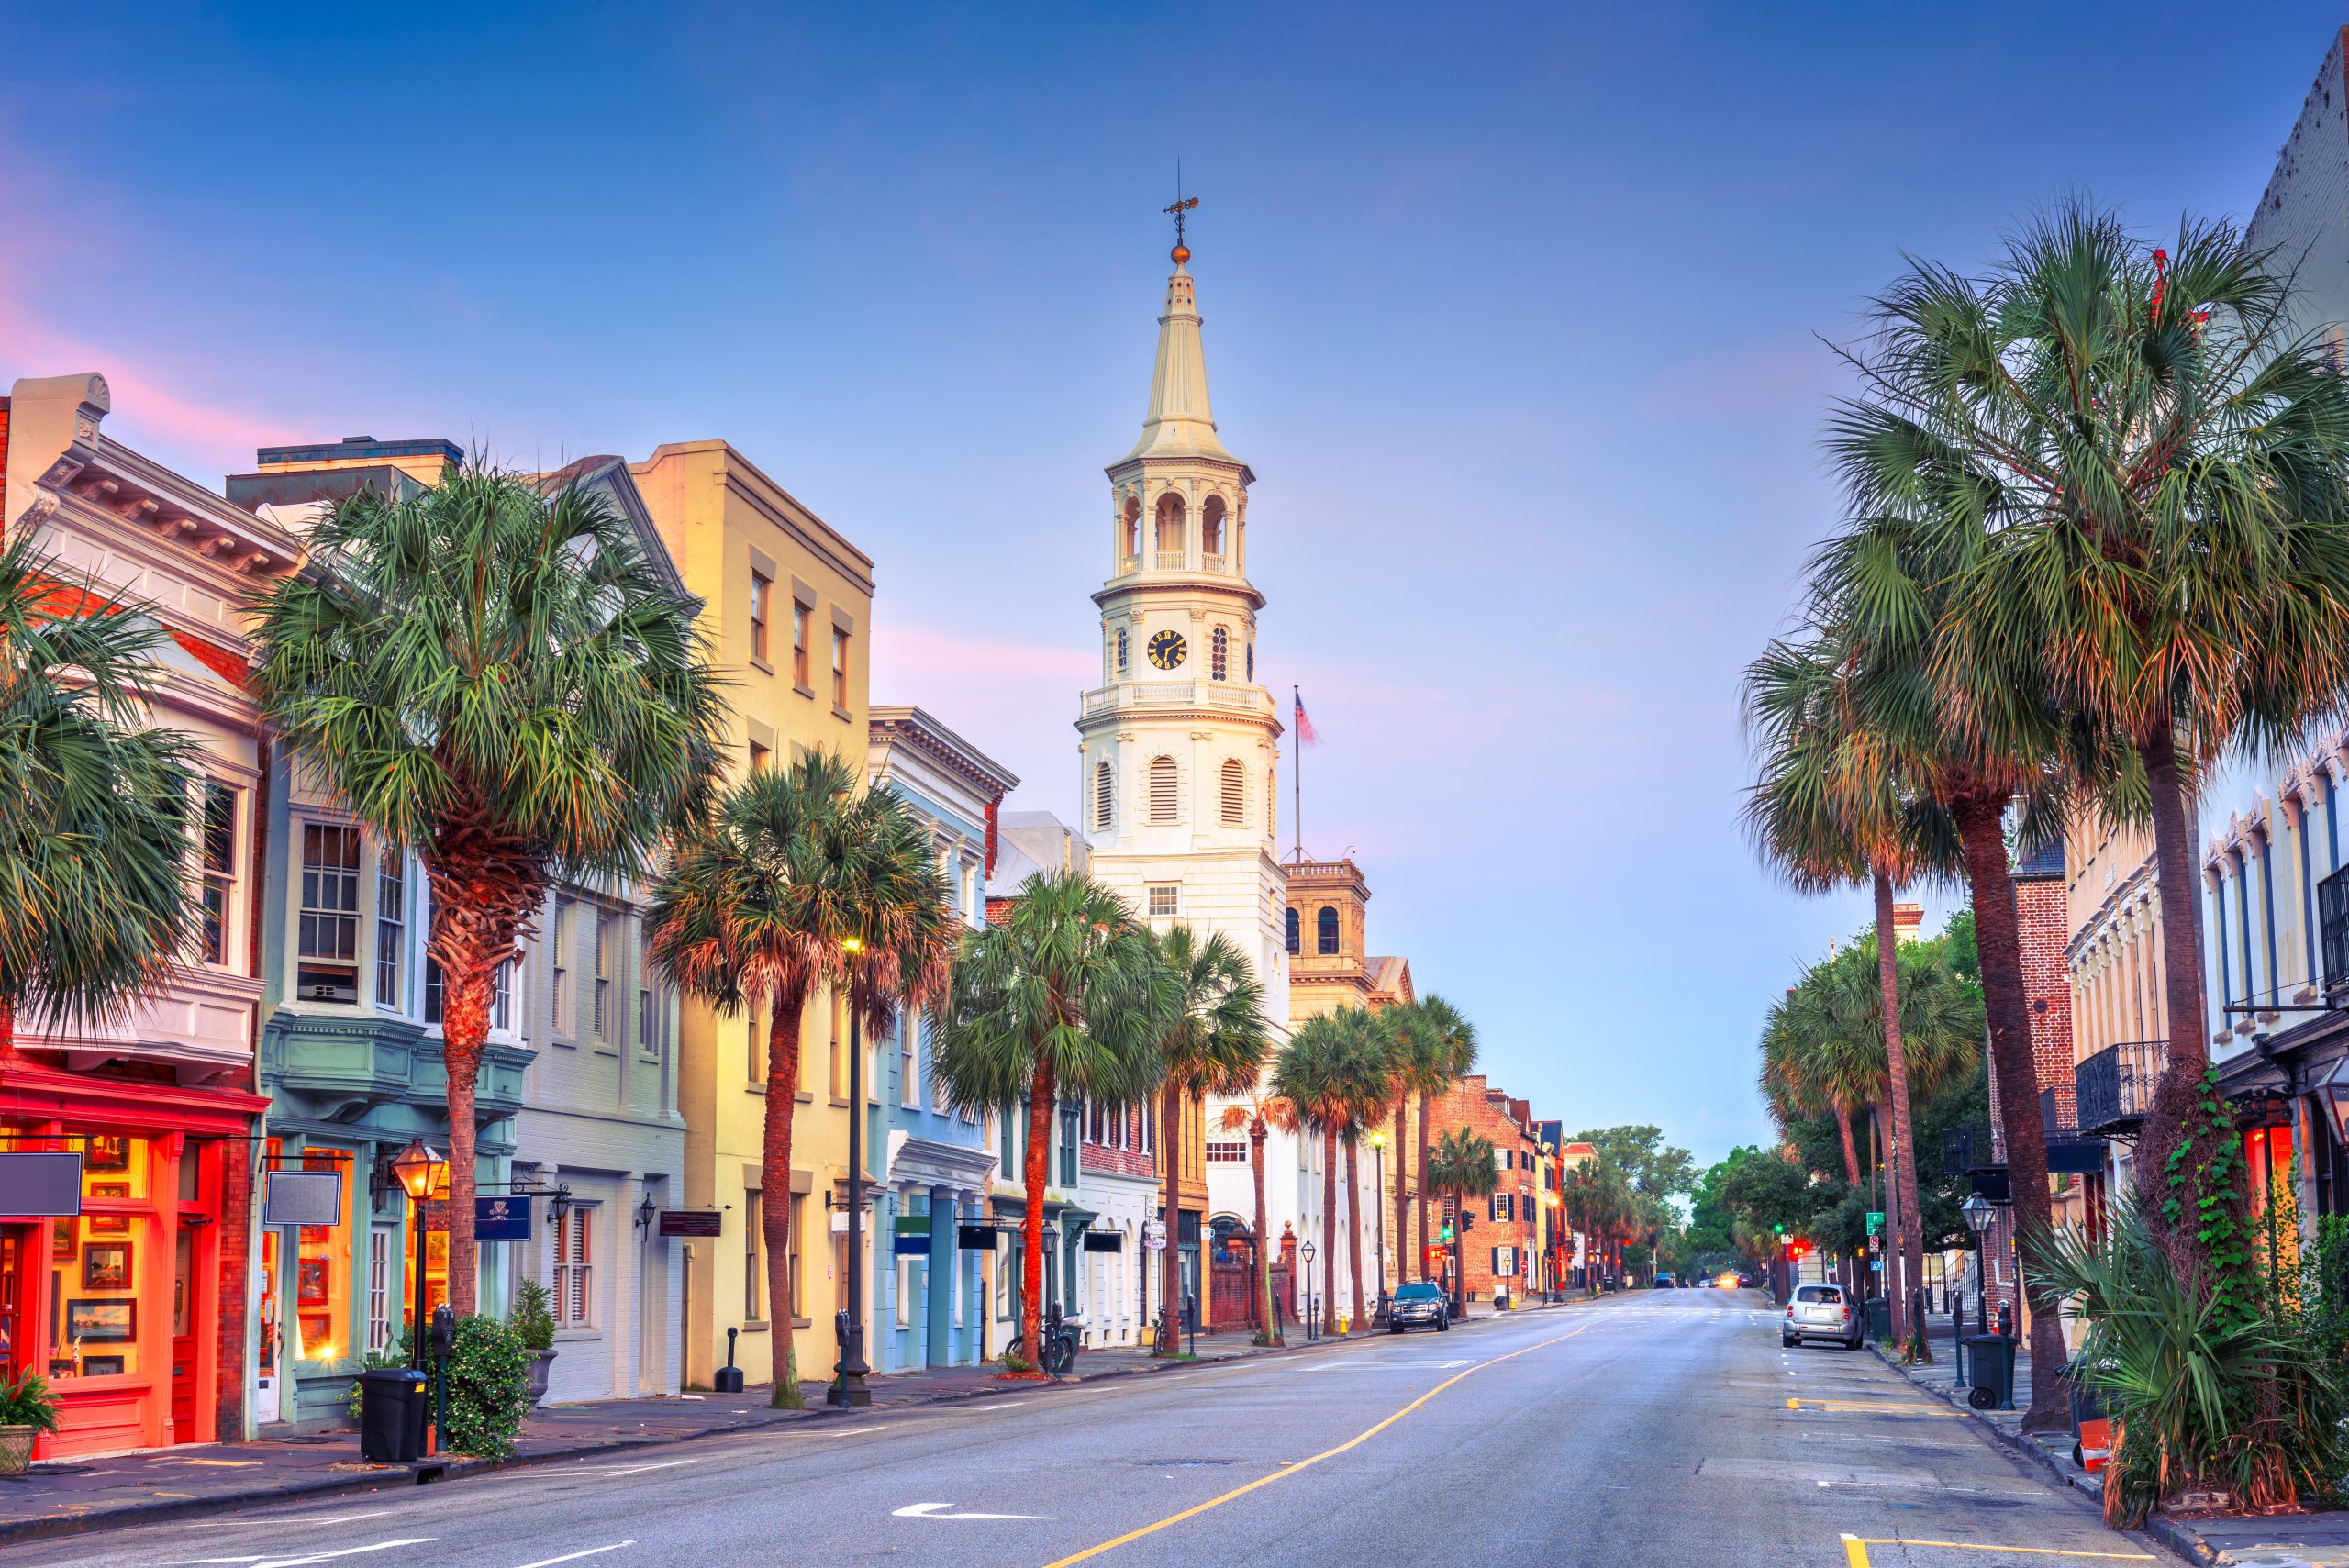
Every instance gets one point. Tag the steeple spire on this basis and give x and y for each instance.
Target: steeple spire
(1180, 423)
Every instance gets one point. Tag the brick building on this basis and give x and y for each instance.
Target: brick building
(1499, 1246)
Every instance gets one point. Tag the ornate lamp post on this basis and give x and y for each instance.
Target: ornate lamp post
(1305, 1252)
(1378, 1151)
(421, 1168)
(847, 1387)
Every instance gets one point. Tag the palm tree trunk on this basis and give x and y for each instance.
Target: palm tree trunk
(1328, 1232)
(1268, 1324)
(1034, 1168)
(1426, 1239)
(783, 1012)
(1980, 825)
(1402, 1231)
(1166, 1340)
(464, 1028)
(1354, 1227)
(1850, 1149)
(2172, 1119)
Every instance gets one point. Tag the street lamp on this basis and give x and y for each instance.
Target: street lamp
(1378, 1148)
(1977, 1210)
(1305, 1252)
(848, 1387)
(421, 1168)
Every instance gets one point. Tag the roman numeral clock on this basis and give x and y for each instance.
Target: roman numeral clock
(1166, 650)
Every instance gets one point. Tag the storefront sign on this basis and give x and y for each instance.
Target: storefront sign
(301, 1197)
(690, 1221)
(501, 1220)
(913, 1245)
(40, 1183)
(1104, 1241)
(975, 1238)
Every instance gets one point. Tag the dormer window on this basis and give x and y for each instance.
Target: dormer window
(1326, 930)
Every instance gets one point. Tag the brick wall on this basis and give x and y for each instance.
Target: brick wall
(234, 1229)
(1103, 1154)
(1490, 1113)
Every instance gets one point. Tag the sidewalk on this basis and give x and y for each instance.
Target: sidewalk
(73, 1497)
(2289, 1541)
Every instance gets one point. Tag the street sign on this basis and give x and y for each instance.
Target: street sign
(1876, 1222)
(690, 1221)
(501, 1220)
(912, 1245)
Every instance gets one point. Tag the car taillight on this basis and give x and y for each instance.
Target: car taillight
(1847, 1312)
(1790, 1309)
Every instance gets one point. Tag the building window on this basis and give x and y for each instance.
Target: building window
(1123, 653)
(1166, 797)
(1163, 899)
(1220, 655)
(327, 965)
(760, 757)
(219, 867)
(1227, 1152)
(759, 589)
(604, 966)
(1235, 792)
(501, 997)
(565, 1013)
(1104, 797)
(652, 1018)
(391, 925)
(1295, 943)
(1325, 931)
(435, 991)
(800, 614)
(754, 1274)
(910, 1059)
(575, 1295)
(379, 1286)
(840, 669)
(795, 1269)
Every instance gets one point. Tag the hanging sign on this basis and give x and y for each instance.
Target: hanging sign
(501, 1220)
(690, 1221)
(912, 1245)
(301, 1197)
(975, 1238)
(1104, 1241)
(40, 1183)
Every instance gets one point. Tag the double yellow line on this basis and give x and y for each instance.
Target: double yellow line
(1303, 1464)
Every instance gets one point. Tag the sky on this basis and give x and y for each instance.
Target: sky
(1522, 316)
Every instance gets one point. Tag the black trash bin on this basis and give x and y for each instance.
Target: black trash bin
(1992, 1357)
(393, 1404)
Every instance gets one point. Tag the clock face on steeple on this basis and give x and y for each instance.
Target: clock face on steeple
(1166, 650)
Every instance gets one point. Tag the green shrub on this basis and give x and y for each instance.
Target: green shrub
(489, 1390)
(27, 1402)
(533, 1316)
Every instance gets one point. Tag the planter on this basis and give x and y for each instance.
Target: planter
(17, 1450)
(541, 1360)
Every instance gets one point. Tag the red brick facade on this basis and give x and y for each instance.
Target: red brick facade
(1114, 1140)
(1499, 1249)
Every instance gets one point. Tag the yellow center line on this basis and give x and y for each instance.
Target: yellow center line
(1832, 1406)
(1283, 1474)
(1855, 1551)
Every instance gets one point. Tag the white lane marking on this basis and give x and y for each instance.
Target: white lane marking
(631, 1470)
(575, 1556)
(930, 1511)
(282, 1524)
(1391, 1366)
(319, 1556)
(997, 1405)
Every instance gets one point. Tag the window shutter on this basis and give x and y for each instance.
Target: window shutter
(1104, 797)
(1165, 804)
(1235, 794)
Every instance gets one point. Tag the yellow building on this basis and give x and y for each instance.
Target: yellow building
(788, 610)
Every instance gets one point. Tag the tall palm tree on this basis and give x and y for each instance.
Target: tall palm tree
(1369, 1089)
(1258, 1111)
(799, 883)
(1068, 995)
(96, 903)
(498, 681)
(2136, 463)
(1466, 1165)
(1439, 1050)
(1214, 1044)
(1319, 1072)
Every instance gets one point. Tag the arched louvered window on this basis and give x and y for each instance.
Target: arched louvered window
(1104, 797)
(1272, 802)
(1121, 651)
(1235, 791)
(1296, 938)
(1220, 655)
(1165, 800)
(1325, 930)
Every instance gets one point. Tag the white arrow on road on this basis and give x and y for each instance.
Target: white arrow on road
(930, 1511)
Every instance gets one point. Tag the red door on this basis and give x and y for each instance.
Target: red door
(193, 1304)
(15, 1244)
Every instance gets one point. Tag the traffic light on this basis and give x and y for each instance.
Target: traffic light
(1447, 1230)
(1467, 1223)
(1797, 1248)
(1779, 1230)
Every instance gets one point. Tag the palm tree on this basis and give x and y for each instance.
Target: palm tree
(1321, 1072)
(2135, 464)
(1466, 1165)
(796, 883)
(1214, 1044)
(1068, 995)
(1369, 1089)
(498, 681)
(1260, 1110)
(95, 905)
(1438, 1049)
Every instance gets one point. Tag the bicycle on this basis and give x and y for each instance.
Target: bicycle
(1061, 1335)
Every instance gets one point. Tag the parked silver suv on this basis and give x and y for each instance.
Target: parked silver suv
(1821, 1312)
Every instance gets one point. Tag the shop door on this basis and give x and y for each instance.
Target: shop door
(184, 1348)
(194, 1301)
(15, 1244)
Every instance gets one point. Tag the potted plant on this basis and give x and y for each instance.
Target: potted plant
(27, 1410)
(533, 1319)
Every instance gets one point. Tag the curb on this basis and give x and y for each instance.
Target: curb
(434, 1472)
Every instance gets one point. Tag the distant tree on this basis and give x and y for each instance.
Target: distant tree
(1653, 1166)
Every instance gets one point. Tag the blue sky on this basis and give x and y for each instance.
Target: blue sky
(1516, 312)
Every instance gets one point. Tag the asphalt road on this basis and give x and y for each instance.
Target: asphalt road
(1665, 1428)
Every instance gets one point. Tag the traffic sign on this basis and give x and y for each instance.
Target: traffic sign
(1876, 1222)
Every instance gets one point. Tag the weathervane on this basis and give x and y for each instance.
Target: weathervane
(1182, 252)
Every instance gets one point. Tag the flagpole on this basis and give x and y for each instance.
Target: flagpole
(1296, 774)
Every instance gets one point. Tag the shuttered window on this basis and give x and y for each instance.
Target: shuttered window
(1165, 802)
(573, 1266)
(1103, 797)
(1220, 655)
(1235, 794)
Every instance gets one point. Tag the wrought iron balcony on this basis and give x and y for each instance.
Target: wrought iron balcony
(2114, 1089)
(1977, 1150)
(2332, 927)
(1968, 1150)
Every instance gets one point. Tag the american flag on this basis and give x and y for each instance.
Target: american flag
(1306, 734)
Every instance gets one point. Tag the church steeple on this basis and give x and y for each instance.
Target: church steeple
(1180, 423)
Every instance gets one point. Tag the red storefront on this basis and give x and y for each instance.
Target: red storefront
(135, 1310)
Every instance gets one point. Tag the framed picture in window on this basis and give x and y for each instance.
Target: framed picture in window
(63, 1241)
(89, 1321)
(109, 1224)
(436, 1252)
(104, 1366)
(105, 1265)
(310, 1282)
(107, 1152)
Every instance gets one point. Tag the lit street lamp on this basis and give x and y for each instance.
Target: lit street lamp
(421, 1168)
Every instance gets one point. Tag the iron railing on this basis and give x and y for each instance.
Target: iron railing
(2332, 927)
(2114, 1089)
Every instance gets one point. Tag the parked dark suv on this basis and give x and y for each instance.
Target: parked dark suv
(1419, 1304)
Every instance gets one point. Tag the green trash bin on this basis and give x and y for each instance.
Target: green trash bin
(1992, 1357)
(1880, 1320)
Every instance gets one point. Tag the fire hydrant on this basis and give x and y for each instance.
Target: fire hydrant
(1344, 1317)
